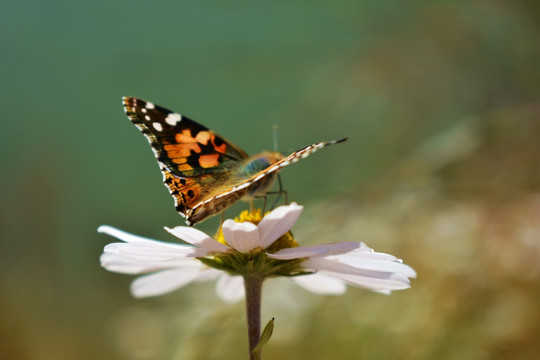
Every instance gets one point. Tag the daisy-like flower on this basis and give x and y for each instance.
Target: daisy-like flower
(251, 245)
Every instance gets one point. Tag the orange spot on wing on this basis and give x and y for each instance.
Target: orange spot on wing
(181, 160)
(203, 137)
(181, 150)
(222, 148)
(185, 137)
(209, 160)
(184, 167)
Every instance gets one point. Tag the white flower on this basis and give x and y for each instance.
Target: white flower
(323, 269)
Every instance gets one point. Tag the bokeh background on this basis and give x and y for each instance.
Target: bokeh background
(440, 99)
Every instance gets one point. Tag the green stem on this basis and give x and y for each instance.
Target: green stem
(253, 286)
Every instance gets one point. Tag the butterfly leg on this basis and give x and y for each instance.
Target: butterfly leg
(279, 192)
(263, 197)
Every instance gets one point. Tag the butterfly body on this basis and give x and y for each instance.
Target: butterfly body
(255, 165)
(205, 173)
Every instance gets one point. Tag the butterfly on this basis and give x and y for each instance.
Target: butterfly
(205, 173)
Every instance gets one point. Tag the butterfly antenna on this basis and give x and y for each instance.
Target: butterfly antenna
(274, 137)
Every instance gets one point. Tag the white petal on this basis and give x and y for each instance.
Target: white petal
(197, 238)
(339, 267)
(163, 282)
(129, 265)
(369, 278)
(318, 250)
(322, 284)
(384, 292)
(369, 264)
(372, 283)
(278, 222)
(146, 246)
(374, 261)
(122, 235)
(155, 250)
(366, 252)
(208, 274)
(244, 236)
(230, 288)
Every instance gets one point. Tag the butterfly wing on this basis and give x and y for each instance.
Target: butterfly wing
(186, 148)
(194, 160)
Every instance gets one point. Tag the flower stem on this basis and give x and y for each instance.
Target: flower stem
(253, 286)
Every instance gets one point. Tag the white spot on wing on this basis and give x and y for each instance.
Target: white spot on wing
(157, 126)
(149, 105)
(173, 119)
(243, 186)
(143, 110)
(147, 117)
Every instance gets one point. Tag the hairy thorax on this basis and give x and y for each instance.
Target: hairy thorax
(253, 166)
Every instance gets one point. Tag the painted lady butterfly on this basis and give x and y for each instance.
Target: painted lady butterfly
(205, 173)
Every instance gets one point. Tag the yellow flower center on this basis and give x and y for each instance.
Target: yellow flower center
(253, 216)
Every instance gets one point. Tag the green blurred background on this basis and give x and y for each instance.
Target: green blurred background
(440, 100)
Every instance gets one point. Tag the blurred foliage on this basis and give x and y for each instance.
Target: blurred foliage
(441, 103)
